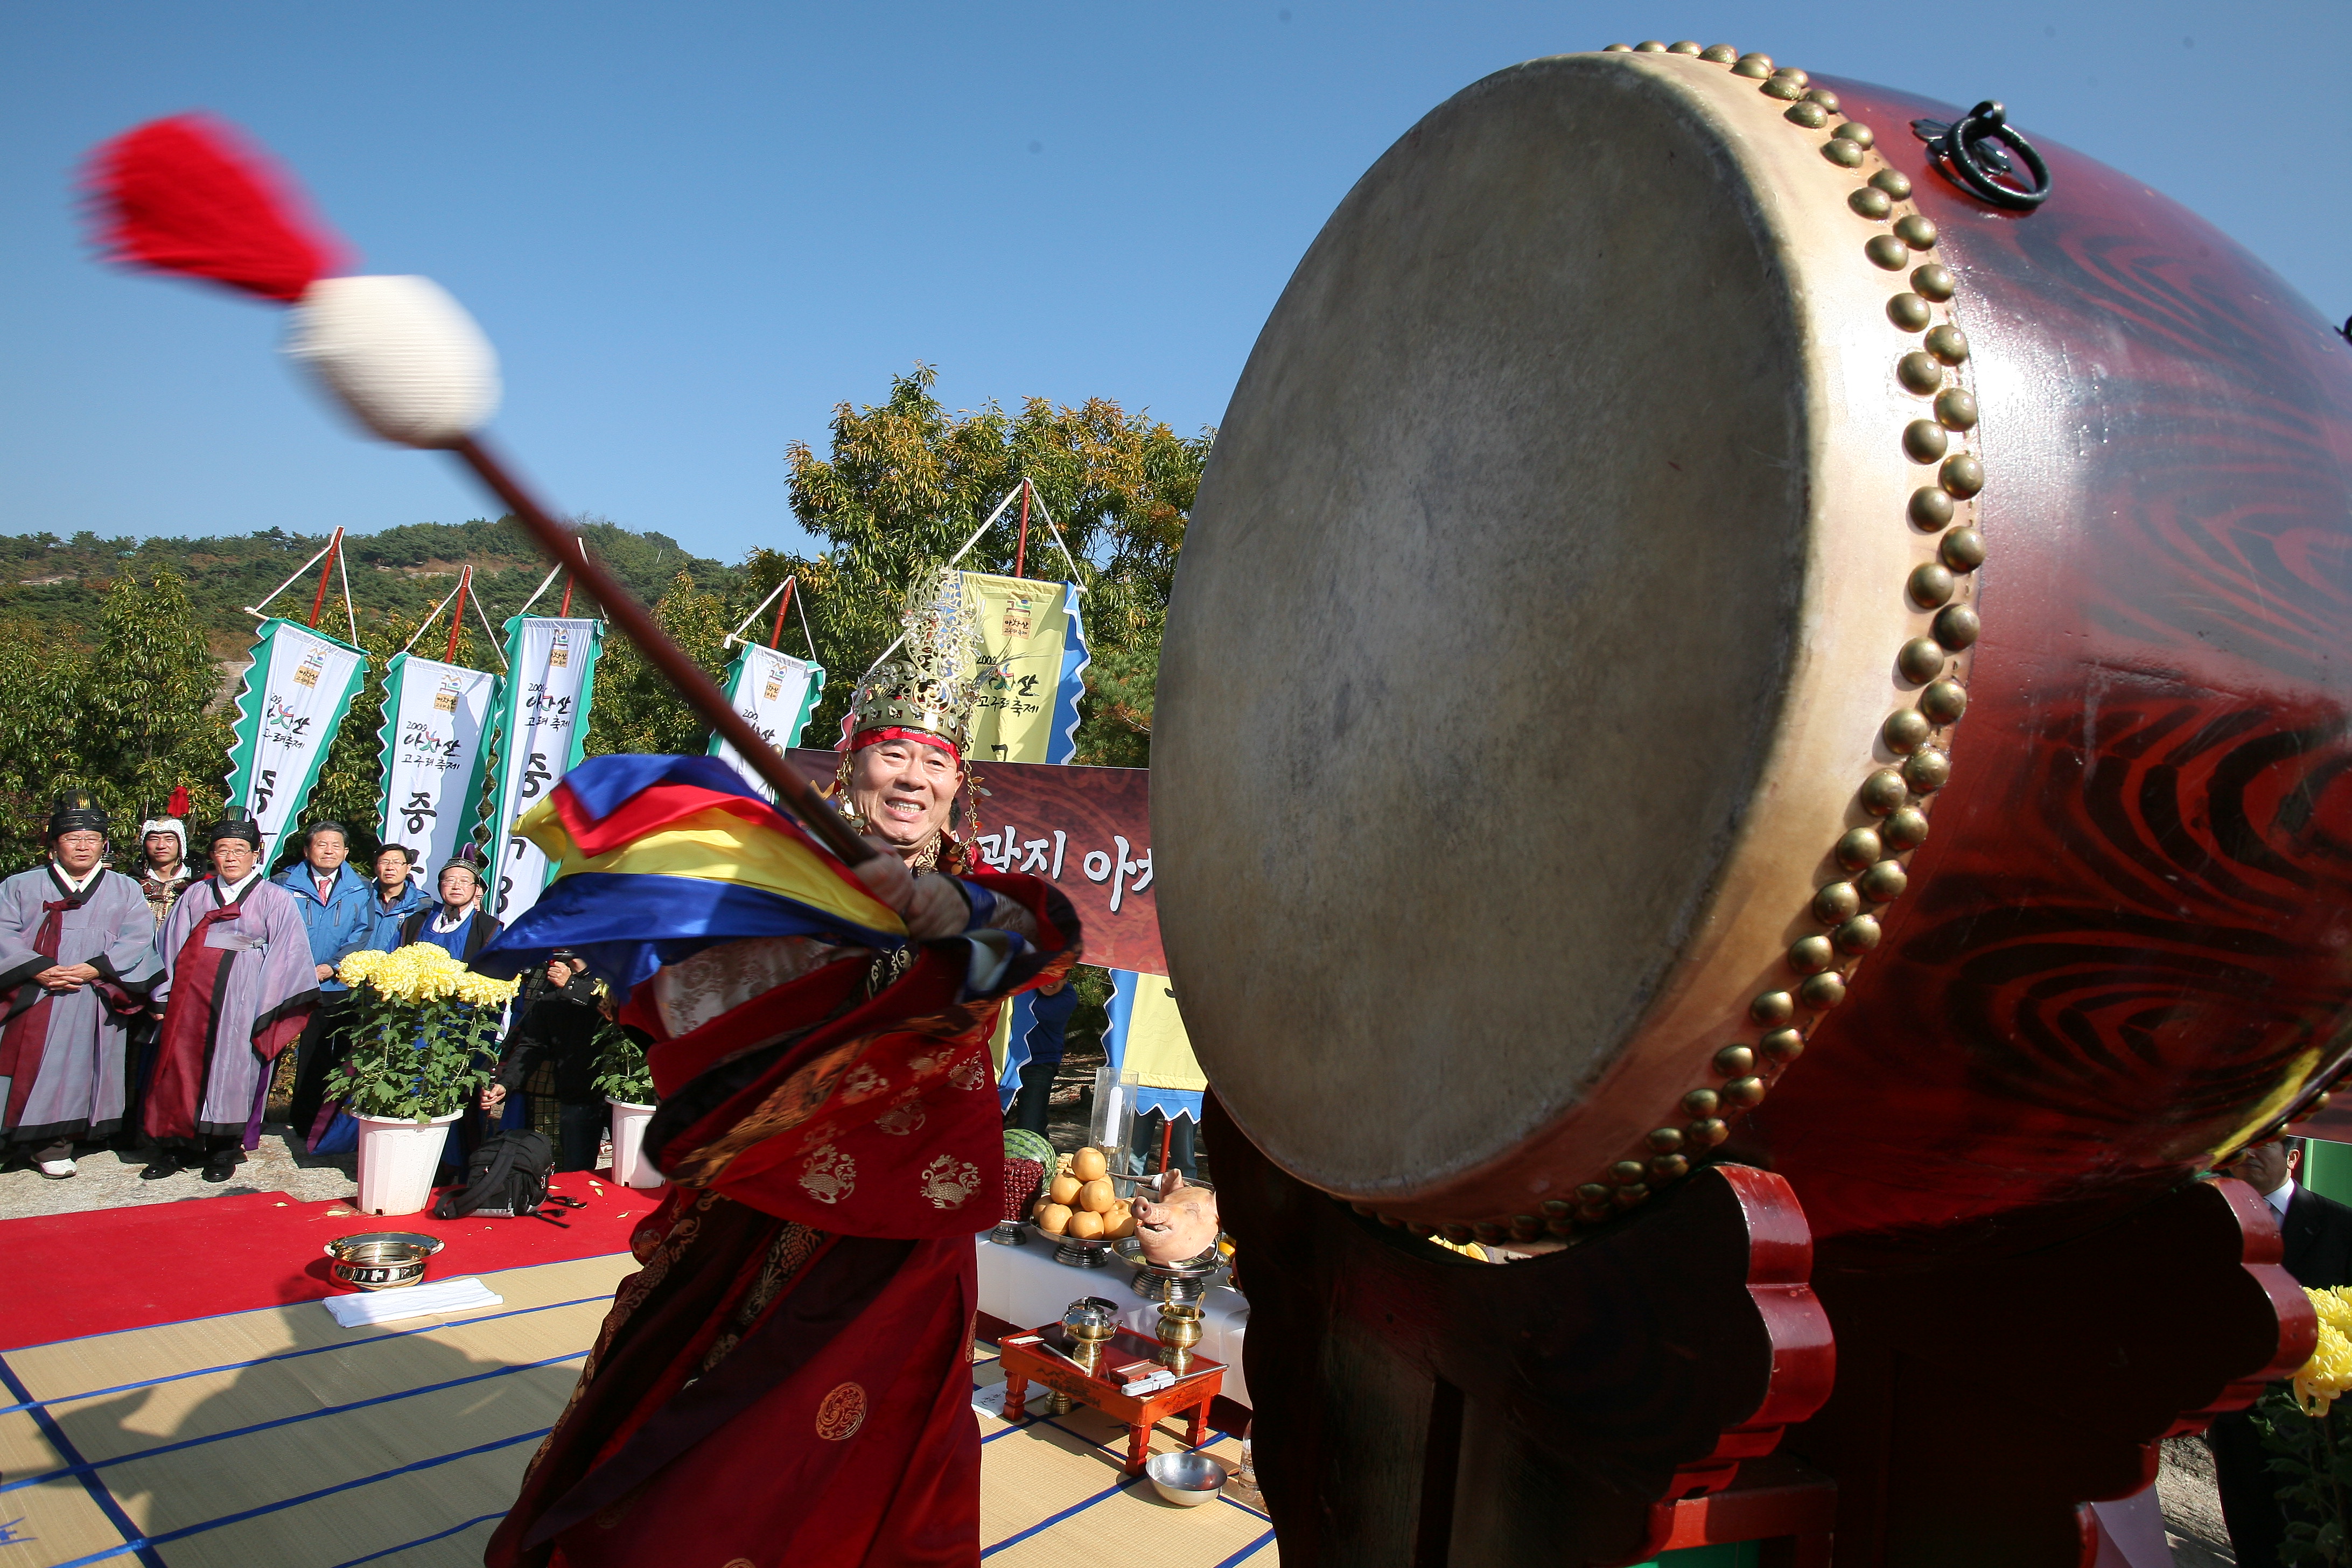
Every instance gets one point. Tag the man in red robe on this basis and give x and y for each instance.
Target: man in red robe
(787, 1379)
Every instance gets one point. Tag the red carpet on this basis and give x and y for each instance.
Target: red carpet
(109, 1270)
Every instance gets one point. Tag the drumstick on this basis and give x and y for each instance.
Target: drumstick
(702, 693)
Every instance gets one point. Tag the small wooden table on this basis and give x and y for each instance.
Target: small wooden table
(1043, 1355)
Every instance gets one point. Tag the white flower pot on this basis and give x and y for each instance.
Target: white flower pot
(397, 1159)
(630, 1167)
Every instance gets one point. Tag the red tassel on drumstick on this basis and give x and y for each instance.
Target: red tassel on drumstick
(183, 194)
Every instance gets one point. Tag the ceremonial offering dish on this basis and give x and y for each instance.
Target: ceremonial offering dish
(380, 1259)
(1077, 1251)
(1186, 1478)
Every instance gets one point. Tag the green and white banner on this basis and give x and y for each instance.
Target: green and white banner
(775, 693)
(436, 718)
(542, 706)
(295, 697)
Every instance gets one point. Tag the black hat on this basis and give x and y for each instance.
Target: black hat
(76, 811)
(243, 827)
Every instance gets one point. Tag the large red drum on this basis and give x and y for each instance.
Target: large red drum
(1702, 638)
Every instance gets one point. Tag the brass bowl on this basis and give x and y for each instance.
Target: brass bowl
(380, 1259)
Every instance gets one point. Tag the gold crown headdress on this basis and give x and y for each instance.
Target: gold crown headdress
(929, 688)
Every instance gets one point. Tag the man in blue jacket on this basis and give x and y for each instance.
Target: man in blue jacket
(335, 903)
(394, 896)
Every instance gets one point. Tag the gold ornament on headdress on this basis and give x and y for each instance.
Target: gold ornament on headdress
(931, 686)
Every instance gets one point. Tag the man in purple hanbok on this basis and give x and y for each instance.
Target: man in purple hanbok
(75, 955)
(238, 985)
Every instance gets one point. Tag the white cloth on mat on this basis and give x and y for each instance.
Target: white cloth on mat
(364, 1308)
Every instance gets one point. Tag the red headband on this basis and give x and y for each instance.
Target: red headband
(874, 737)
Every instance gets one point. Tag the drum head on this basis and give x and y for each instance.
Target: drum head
(1531, 634)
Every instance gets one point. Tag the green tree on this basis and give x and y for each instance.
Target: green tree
(906, 482)
(636, 708)
(143, 709)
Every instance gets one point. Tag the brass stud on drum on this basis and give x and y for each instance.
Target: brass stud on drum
(1628, 1172)
(1734, 1062)
(1650, 47)
(1924, 441)
(1775, 1008)
(1594, 1193)
(1868, 203)
(1852, 131)
(1910, 313)
(1947, 344)
(1629, 1196)
(1883, 250)
(1617, 48)
(1906, 731)
(1811, 116)
(1783, 1045)
(1920, 373)
(1930, 510)
(1927, 770)
(1957, 626)
(1956, 409)
(1822, 96)
(1961, 475)
(1745, 1091)
(1930, 585)
(1918, 231)
(1824, 991)
(1792, 73)
(1858, 849)
(1906, 829)
(1708, 1132)
(1921, 660)
(1837, 903)
(1755, 67)
(1883, 883)
(1459, 1235)
(1669, 1167)
(1812, 955)
(1883, 792)
(1487, 1230)
(1720, 54)
(1944, 701)
(1683, 46)
(1894, 182)
(1784, 88)
(1667, 1140)
(1858, 935)
(1962, 550)
(1702, 1102)
(1935, 280)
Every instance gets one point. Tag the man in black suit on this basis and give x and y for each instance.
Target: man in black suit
(2317, 1233)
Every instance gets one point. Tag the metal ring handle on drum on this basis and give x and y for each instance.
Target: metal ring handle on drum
(1956, 147)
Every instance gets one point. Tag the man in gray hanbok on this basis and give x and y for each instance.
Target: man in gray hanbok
(77, 956)
(238, 985)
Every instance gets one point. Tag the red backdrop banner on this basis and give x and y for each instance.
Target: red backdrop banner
(1086, 830)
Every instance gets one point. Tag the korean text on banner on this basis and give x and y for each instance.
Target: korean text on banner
(775, 693)
(1147, 1045)
(1032, 662)
(295, 697)
(435, 719)
(542, 706)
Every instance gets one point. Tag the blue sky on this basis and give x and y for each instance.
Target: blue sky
(693, 228)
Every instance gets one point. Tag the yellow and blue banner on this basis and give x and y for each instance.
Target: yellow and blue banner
(1029, 668)
(1148, 1049)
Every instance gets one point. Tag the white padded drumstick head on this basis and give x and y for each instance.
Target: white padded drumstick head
(400, 354)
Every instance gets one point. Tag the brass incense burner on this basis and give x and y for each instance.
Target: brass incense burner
(1180, 1330)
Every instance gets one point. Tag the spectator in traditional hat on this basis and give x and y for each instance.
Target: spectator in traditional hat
(164, 872)
(458, 922)
(77, 956)
(239, 986)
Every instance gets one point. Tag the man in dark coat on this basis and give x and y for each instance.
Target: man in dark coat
(550, 1059)
(2317, 1234)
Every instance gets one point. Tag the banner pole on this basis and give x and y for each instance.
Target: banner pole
(1021, 548)
(319, 600)
(351, 618)
(702, 694)
(776, 634)
(261, 609)
(458, 618)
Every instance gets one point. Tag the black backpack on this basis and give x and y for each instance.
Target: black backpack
(506, 1176)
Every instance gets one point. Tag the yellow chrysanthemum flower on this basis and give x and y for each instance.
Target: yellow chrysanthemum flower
(420, 974)
(2328, 1376)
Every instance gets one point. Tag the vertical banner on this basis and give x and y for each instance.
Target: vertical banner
(435, 719)
(775, 693)
(1031, 669)
(1147, 1045)
(542, 706)
(295, 697)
